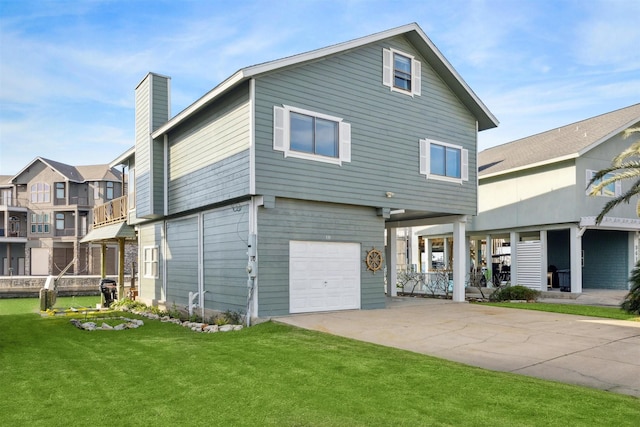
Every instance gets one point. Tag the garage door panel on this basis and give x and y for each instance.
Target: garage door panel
(324, 276)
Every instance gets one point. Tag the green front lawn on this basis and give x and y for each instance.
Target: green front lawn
(53, 374)
(577, 309)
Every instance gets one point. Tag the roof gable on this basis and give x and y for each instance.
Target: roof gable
(566, 142)
(414, 34)
(77, 174)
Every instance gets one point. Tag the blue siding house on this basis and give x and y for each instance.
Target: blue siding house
(272, 194)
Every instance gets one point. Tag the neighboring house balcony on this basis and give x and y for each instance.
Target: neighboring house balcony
(72, 201)
(111, 212)
(13, 220)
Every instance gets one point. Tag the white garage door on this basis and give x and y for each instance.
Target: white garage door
(323, 276)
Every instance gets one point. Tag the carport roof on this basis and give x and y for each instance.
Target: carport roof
(110, 233)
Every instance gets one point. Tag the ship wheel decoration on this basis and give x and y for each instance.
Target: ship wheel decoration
(374, 260)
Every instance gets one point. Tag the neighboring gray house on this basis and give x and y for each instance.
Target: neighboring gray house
(533, 200)
(45, 210)
(272, 192)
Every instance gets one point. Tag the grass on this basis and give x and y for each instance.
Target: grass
(577, 309)
(161, 374)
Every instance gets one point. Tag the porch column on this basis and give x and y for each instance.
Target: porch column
(121, 294)
(575, 248)
(103, 260)
(428, 254)
(445, 253)
(488, 256)
(543, 260)
(459, 259)
(415, 250)
(391, 253)
(633, 252)
(514, 238)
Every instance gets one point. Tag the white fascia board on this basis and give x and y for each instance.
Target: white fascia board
(609, 136)
(200, 103)
(122, 158)
(531, 166)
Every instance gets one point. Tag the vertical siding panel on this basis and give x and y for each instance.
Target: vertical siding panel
(225, 258)
(182, 260)
(312, 221)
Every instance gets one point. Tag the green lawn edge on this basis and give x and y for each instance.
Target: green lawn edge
(575, 309)
(270, 374)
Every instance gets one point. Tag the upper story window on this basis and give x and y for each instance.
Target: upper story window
(60, 193)
(613, 189)
(443, 161)
(40, 193)
(96, 190)
(109, 190)
(401, 72)
(39, 223)
(59, 221)
(310, 135)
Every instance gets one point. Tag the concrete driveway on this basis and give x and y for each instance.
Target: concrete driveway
(591, 352)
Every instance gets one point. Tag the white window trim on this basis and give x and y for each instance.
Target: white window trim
(425, 165)
(618, 186)
(388, 74)
(154, 250)
(281, 135)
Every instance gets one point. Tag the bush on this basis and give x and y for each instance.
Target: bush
(517, 292)
(631, 303)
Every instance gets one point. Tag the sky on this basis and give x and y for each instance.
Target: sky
(68, 68)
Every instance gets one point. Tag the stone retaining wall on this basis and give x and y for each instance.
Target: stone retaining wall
(29, 286)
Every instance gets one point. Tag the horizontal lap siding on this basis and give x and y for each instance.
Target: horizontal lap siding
(225, 258)
(209, 155)
(385, 131)
(182, 260)
(313, 221)
(606, 254)
(143, 149)
(150, 288)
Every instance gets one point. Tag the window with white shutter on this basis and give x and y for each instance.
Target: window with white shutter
(310, 135)
(401, 72)
(444, 161)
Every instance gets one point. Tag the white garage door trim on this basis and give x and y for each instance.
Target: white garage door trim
(323, 276)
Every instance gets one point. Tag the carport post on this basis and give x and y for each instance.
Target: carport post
(390, 255)
(575, 247)
(459, 259)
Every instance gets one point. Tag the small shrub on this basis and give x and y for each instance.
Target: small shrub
(631, 303)
(517, 292)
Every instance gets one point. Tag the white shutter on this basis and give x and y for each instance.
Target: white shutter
(618, 188)
(590, 173)
(387, 67)
(278, 128)
(416, 77)
(345, 142)
(424, 157)
(464, 167)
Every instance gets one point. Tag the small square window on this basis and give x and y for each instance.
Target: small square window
(440, 160)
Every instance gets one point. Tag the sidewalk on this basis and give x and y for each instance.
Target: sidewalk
(586, 351)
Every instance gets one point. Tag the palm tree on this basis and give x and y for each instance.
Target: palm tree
(625, 165)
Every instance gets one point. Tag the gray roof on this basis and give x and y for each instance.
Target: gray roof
(79, 173)
(557, 144)
(413, 32)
